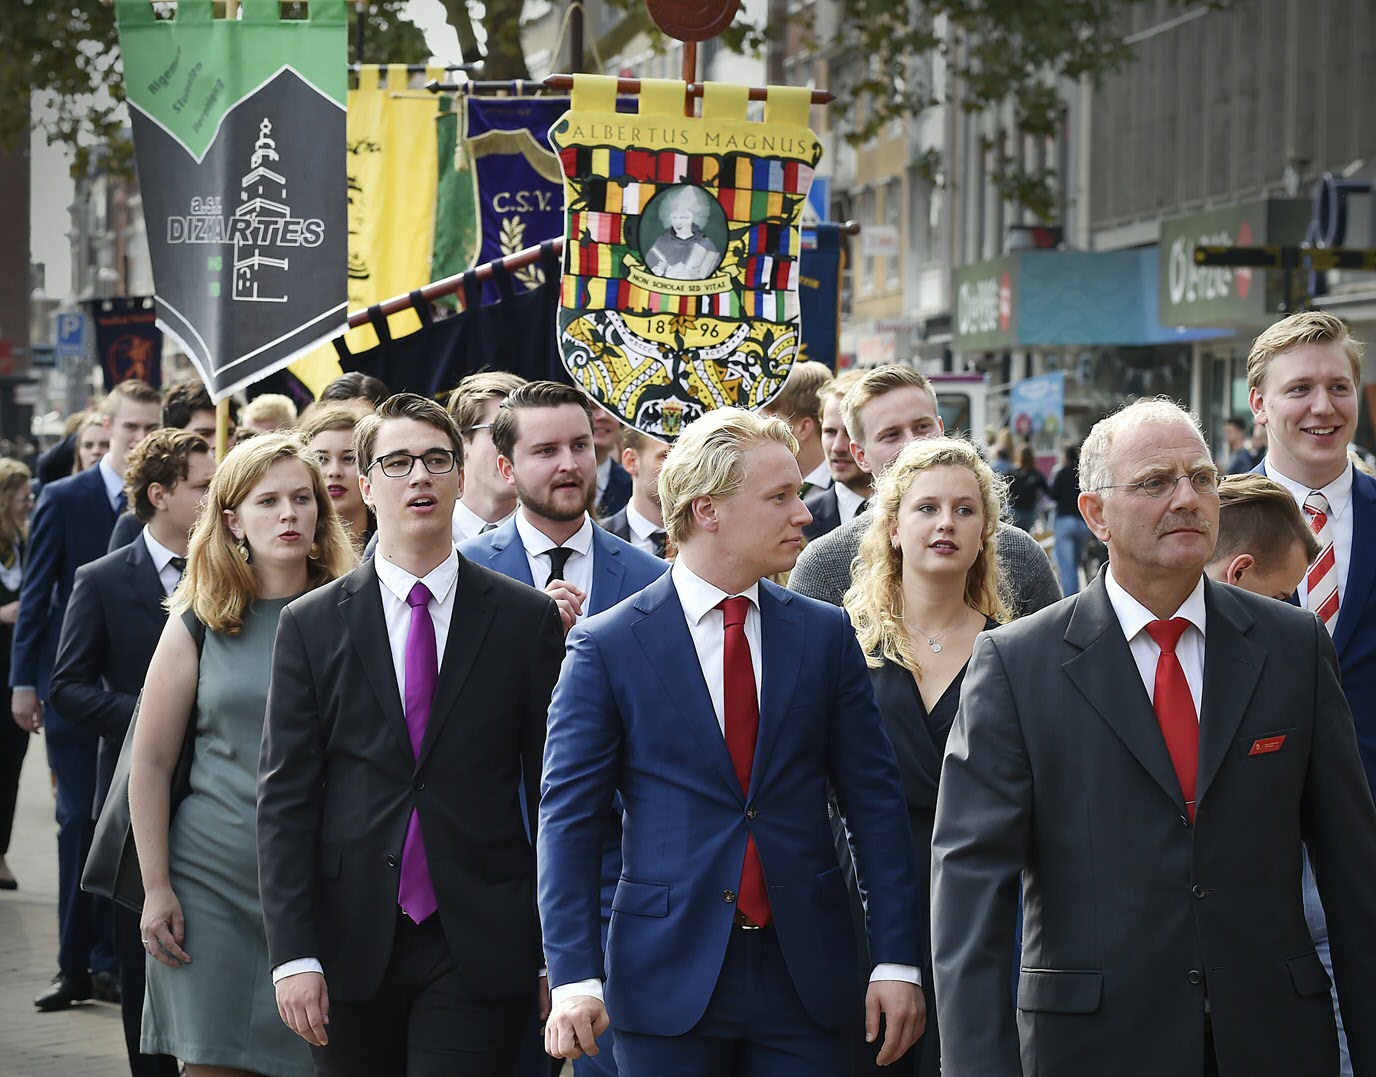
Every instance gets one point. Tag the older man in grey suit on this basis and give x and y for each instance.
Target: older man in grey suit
(1149, 757)
(884, 410)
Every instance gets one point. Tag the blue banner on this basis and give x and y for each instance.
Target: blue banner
(128, 341)
(519, 183)
(819, 292)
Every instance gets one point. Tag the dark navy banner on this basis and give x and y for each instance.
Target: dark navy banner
(520, 192)
(128, 340)
(819, 293)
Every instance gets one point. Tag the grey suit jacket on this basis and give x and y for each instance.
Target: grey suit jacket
(823, 569)
(1134, 919)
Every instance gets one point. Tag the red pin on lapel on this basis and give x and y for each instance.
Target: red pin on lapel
(1267, 744)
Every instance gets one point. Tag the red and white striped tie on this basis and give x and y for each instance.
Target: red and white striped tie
(1322, 578)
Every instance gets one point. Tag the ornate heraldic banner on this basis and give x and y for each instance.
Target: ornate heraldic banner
(680, 278)
(239, 134)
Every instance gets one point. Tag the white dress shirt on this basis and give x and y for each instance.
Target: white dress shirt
(578, 569)
(819, 478)
(604, 476)
(1339, 494)
(848, 502)
(114, 485)
(1134, 618)
(641, 529)
(467, 523)
(162, 561)
(396, 585)
(707, 626)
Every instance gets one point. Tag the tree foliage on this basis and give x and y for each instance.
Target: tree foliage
(67, 52)
(1005, 55)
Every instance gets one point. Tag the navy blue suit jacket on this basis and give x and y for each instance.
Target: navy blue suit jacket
(632, 713)
(1355, 634)
(619, 569)
(617, 493)
(71, 527)
(113, 623)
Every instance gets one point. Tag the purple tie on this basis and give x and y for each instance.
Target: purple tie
(416, 894)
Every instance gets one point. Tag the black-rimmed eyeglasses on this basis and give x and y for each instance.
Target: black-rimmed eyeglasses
(397, 465)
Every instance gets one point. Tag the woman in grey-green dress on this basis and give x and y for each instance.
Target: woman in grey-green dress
(266, 535)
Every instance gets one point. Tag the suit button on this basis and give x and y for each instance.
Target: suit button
(750, 813)
(728, 896)
(391, 861)
(1198, 891)
(1195, 976)
(417, 785)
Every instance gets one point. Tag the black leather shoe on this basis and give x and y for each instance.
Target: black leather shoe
(105, 987)
(63, 991)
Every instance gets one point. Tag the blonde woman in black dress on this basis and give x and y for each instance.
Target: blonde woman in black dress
(925, 583)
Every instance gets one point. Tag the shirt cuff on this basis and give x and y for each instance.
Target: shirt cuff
(294, 968)
(22, 688)
(907, 974)
(579, 987)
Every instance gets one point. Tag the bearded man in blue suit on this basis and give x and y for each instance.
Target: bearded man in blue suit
(719, 707)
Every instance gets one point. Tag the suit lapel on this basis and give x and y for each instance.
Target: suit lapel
(668, 646)
(608, 570)
(98, 502)
(1361, 567)
(781, 643)
(360, 605)
(1232, 666)
(472, 614)
(509, 553)
(1104, 671)
(143, 580)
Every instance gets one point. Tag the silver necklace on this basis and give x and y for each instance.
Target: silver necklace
(932, 640)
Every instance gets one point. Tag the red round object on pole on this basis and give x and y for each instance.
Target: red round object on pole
(692, 20)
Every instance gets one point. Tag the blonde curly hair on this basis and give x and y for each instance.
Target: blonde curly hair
(875, 598)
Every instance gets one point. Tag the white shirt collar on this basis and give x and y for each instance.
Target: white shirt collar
(848, 501)
(113, 483)
(640, 527)
(1338, 492)
(470, 523)
(698, 597)
(438, 582)
(604, 473)
(819, 478)
(160, 554)
(1133, 616)
(537, 542)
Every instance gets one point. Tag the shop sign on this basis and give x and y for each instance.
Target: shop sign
(986, 305)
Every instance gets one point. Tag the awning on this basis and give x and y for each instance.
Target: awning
(1048, 299)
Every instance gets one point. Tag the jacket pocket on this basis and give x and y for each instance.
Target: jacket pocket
(831, 888)
(327, 861)
(1263, 744)
(1308, 974)
(641, 899)
(1060, 990)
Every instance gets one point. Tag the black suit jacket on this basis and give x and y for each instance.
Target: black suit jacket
(826, 512)
(618, 525)
(114, 619)
(337, 782)
(1056, 769)
(127, 528)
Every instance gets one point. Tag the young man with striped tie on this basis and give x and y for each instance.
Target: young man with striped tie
(1303, 375)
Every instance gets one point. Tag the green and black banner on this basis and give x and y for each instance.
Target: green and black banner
(239, 134)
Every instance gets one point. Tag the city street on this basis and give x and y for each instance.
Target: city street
(85, 1041)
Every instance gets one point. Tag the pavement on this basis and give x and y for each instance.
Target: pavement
(86, 1040)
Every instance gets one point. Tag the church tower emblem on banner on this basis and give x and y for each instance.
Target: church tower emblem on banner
(679, 293)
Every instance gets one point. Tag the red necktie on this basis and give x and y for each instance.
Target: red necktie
(742, 709)
(1322, 578)
(1175, 707)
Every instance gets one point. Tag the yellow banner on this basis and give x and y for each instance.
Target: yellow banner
(393, 172)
